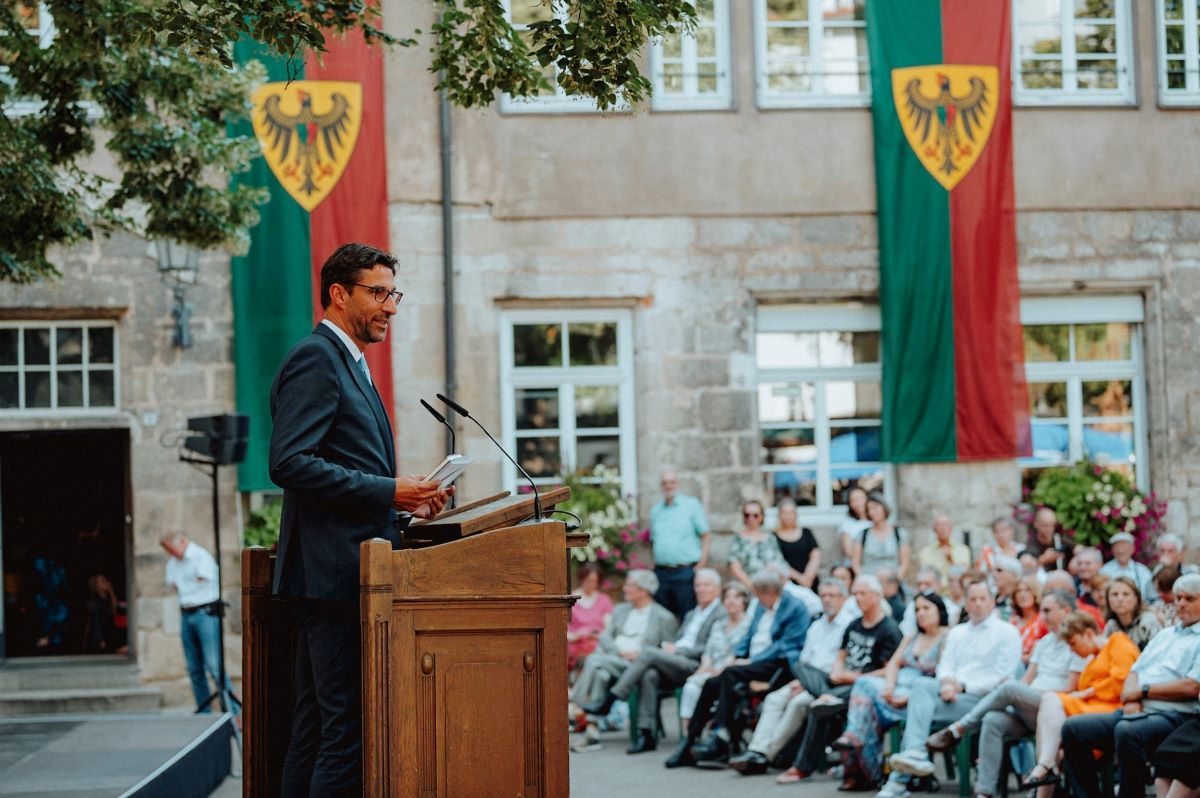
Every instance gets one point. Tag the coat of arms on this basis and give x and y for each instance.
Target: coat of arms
(947, 112)
(307, 130)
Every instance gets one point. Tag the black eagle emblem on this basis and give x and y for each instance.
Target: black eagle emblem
(311, 132)
(948, 108)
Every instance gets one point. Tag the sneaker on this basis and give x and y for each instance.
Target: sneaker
(586, 743)
(914, 763)
(942, 740)
(893, 790)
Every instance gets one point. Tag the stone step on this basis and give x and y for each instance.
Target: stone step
(60, 675)
(80, 701)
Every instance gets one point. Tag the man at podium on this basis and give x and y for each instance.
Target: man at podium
(332, 452)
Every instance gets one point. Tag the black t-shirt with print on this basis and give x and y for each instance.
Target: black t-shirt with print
(869, 648)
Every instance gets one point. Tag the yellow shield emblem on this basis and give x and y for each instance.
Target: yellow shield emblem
(947, 112)
(307, 130)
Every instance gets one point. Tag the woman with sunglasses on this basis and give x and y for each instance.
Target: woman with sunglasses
(753, 548)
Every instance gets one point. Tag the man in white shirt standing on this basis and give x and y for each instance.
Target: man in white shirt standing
(192, 571)
(978, 657)
(1011, 709)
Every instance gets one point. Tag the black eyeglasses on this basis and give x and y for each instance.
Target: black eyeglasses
(381, 294)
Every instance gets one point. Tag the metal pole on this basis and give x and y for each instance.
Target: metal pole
(448, 330)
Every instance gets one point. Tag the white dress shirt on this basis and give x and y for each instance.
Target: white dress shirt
(810, 600)
(352, 347)
(1173, 653)
(762, 633)
(824, 637)
(633, 630)
(194, 576)
(690, 632)
(981, 656)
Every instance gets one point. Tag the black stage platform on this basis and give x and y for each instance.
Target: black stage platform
(114, 756)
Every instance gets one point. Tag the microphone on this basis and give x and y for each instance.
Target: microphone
(537, 498)
(441, 420)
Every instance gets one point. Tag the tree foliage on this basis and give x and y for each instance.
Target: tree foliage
(154, 83)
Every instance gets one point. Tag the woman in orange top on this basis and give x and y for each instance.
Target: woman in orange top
(1098, 690)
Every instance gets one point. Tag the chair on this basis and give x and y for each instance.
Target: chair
(660, 729)
(959, 762)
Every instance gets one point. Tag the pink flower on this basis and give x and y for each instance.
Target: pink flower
(601, 554)
(621, 566)
(626, 537)
(1099, 470)
(645, 536)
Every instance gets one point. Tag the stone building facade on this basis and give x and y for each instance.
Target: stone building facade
(688, 235)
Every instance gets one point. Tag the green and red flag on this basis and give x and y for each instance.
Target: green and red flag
(321, 129)
(953, 370)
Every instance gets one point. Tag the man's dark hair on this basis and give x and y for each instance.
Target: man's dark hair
(343, 266)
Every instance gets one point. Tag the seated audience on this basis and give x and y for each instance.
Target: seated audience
(979, 656)
(1005, 573)
(1026, 614)
(668, 666)
(943, 552)
(850, 530)
(774, 639)
(1046, 542)
(1004, 533)
(1159, 695)
(638, 623)
(735, 599)
(1098, 593)
(1011, 710)
(844, 570)
(881, 545)
(1030, 567)
(1164, 583)
(1087, 562)
(956, 591)
(893, 592)
(928, 581)
(783, 711)
(1061, 580)
(753, 547)
(867, 645)
(1172, 552)
(877, 703)
(1124, 612)
(798, 546)
(588, 617)
(1123, 564)
(1175, 771)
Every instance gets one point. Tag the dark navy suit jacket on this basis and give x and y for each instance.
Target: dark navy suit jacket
(333, 455)
(787, 633)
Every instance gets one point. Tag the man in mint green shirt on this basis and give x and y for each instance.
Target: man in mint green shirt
(679, 534)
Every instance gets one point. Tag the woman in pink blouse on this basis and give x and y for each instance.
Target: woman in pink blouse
(588, 616)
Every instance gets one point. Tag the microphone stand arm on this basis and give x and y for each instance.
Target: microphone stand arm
(537, 499)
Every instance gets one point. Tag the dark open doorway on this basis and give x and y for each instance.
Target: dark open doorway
(63, 509)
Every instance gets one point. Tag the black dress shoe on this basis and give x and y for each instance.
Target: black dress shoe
(602, 707)
(682, 757)
(715, 750)
(751, 763)
(645, 742)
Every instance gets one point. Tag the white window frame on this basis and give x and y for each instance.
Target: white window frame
(821, 318)
(1190, 94)
(1093, 310)
(52, 369)
(817, 97)
(691, 99)
(565, 379)
(45, 32)
(1070, 93)
(557, 103)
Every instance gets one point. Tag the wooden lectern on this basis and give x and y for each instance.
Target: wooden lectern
(464, 658)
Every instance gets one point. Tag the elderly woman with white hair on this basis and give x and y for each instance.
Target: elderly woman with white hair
(637, 623)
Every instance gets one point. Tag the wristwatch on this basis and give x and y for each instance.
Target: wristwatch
(1145, 691)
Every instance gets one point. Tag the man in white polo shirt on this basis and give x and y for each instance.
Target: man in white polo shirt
(192, 571)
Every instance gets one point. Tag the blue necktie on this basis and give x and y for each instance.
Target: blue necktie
(362, 364)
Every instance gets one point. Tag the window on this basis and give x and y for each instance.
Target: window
(39, 24)
(554, 99)
(57, 367)
(811, 53)
(1072, 52)
(1083, 365)
(1179, 52)
(693, 72)
(819, 402)
(567, 393)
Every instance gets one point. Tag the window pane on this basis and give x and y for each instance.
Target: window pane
(793, 445)
(70, 388)
(1108, 398)
(843, 10)
(787, 350)
(1051, 443)
(70, 345)
(845, 77)
(537, 345)
(704, 11)
(593, 344)
(1048, 399)
(672, 46)
(1047, 343)
(1108, 443)
(100, 389)
(867, 477)
(8, 347)
(1174, 39)
(539, 456)
(799, 486)
(1038, 40)
(672, 78)
(591, 452)
(37, 347)
(9, 389)
(526, 11)
(787, 42)
(845, 44)
(787, 78)
(706, 78)
(1038, 10)
(1095, 39)
(1103, 341)
(853, 399)
(1099, 9)
(37, 389)
(1097, 74)
(1176, 75)
(854, 444)
(791, 10)
(596, 406)
(100, 345)
(537, 408)
(1041, 74)
(1173, 9)
(786, 402)
(706, 42)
